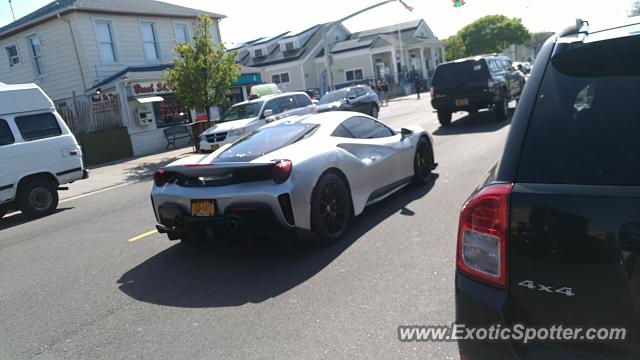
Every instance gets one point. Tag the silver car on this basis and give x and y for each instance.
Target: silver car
(309, 173)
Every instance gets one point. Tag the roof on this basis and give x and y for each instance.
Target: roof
(142, 7)
(22, 98)
(132, 69)
(277, 55)
(349, 45)
(409, 25)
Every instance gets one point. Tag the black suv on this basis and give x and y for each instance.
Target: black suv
(552, 236)
(470, 84)
(356, 98)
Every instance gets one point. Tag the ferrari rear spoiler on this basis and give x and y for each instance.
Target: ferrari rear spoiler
(214, 169)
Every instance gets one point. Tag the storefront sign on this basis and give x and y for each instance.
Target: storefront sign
(150, 88)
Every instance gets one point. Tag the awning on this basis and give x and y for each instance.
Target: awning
(150, 99)
(248, 79)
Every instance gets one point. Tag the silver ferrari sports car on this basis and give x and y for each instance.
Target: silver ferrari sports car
(310, 173)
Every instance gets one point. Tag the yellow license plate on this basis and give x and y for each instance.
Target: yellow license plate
(215, 147)
(202, 208)
(462, 102)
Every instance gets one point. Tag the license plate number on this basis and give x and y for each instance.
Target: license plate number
(202, 208)
(462, 102)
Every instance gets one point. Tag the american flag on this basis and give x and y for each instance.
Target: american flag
(410, 8)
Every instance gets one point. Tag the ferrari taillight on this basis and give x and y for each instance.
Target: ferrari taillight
(161, 177)
(281, 171)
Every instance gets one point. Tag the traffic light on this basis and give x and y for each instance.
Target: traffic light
(458, 3)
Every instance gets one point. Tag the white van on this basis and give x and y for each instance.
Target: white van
(38, 153)
(245, 117)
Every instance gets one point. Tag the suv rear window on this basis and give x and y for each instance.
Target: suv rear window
(39, 126)
(585, 125)
(451, 74)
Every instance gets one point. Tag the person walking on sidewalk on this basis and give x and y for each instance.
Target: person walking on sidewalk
(385, 91)
(418, 85)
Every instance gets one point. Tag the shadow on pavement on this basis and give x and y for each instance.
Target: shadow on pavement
(247, 271)
(144, 171)
(483, 121)
(8, 222)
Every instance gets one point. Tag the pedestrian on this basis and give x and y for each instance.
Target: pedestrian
(378, 90)
(418, 85)
(385, 91)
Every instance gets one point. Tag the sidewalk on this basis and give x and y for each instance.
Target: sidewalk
(123, 172)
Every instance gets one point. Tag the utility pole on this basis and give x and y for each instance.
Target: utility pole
(330, 26)
(12, 14)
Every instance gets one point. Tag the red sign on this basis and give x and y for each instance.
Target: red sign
(149, 88)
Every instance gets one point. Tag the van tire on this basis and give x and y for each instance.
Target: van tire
(37, 198)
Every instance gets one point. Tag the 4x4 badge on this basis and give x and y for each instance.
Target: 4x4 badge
(567, 291)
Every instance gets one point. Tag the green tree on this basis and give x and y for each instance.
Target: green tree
(202, 73)
(492, 34)
(454, 48)
(635, 8)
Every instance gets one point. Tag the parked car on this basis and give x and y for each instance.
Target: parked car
(245, 117)
(552, 236)
(314, 93)
(309, 173)
(356, 98)
(38, 153)
(471, 84)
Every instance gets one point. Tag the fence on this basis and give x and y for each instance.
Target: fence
(88, 115)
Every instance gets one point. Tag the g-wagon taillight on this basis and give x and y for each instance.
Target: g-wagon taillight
(482, 235)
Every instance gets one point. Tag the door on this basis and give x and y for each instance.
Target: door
(387, 156)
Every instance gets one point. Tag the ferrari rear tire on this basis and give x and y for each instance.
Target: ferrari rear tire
(422, 162)
(330, 209)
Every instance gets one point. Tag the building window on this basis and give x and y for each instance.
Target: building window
(182, 33)
(353, 75)
(280, 78)
(35, 49)
(257, 53)
(150, 41)
(12, 54)
(289, 46)
(104, 36)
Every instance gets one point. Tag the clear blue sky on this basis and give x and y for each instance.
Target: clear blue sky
(249, 19)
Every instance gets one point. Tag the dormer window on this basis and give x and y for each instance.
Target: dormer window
(289, 46)
(257, 53)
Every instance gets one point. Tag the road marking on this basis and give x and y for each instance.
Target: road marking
(136, 238)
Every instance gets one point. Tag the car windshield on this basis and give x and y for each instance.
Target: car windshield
(451, 74)
(264, 141)
(242, 111)
(334, 96)
(585, 126)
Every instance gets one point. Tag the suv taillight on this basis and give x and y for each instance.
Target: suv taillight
(281, 171)
(482, 235)
(432, 91)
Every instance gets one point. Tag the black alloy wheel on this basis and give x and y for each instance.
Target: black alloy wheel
(330, 208)
(423, 162)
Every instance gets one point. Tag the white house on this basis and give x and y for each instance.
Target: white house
(97, 57)
(298, 62)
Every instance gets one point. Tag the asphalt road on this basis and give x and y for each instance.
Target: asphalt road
(72, 285)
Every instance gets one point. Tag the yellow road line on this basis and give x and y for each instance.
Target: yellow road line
(136, 238)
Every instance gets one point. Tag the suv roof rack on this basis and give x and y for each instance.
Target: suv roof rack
(581, 26)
